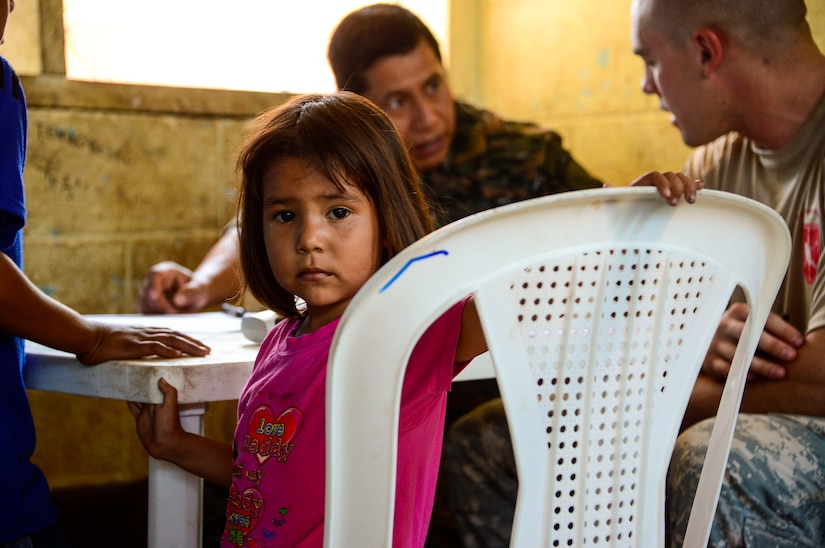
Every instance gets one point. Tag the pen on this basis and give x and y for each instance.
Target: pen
(233, 310)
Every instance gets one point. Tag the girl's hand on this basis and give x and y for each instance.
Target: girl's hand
(158, 425)
(672, 186)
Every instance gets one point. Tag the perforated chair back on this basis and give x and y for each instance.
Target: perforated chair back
(598, 307)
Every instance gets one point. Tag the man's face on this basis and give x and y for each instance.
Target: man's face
(676, 75)
(412, 89)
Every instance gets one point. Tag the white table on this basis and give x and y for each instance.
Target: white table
(175, 496)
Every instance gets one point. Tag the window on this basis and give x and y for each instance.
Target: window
(258, 45)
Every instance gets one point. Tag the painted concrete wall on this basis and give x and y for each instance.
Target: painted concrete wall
(120, 177)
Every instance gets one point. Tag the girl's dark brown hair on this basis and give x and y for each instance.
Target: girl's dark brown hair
(350, 141)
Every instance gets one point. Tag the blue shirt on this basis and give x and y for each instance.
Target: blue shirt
(25, 504)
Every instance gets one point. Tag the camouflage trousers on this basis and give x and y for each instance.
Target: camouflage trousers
(774, 490)
(481, 478)
(773, 494)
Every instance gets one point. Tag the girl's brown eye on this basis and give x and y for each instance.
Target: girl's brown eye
(339, 213)
(284, 216)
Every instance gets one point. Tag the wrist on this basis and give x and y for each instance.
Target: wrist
(215, 288)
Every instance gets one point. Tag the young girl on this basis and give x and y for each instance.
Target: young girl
(328, 195)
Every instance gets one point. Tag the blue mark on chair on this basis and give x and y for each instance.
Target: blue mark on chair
(409, 263)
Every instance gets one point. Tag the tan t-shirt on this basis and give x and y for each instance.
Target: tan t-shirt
(789, 180)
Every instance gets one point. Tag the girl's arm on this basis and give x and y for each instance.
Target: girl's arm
(160, 432)
(471, 342)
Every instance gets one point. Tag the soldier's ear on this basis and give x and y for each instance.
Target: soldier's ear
(710, 45)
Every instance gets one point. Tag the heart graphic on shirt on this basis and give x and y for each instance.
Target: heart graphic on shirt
(272, 436)
(243, 512)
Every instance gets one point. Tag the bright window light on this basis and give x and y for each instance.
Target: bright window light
(258, 45)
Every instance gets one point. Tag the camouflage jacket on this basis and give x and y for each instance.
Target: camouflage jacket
(493, 162)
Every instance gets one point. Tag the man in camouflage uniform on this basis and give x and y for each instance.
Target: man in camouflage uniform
(470, 159)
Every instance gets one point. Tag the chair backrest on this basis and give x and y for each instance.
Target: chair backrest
(598, 307)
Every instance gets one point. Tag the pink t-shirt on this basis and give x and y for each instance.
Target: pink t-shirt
(277, 492)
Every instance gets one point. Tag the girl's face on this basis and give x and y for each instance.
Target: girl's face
(322, 243)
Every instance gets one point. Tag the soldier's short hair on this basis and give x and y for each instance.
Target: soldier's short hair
(369, 34)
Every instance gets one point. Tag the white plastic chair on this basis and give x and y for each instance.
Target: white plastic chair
(598, 307)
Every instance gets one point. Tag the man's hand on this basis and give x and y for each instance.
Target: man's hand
(777, 345)
(113, 341)
(170, 288)
(671, 186)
